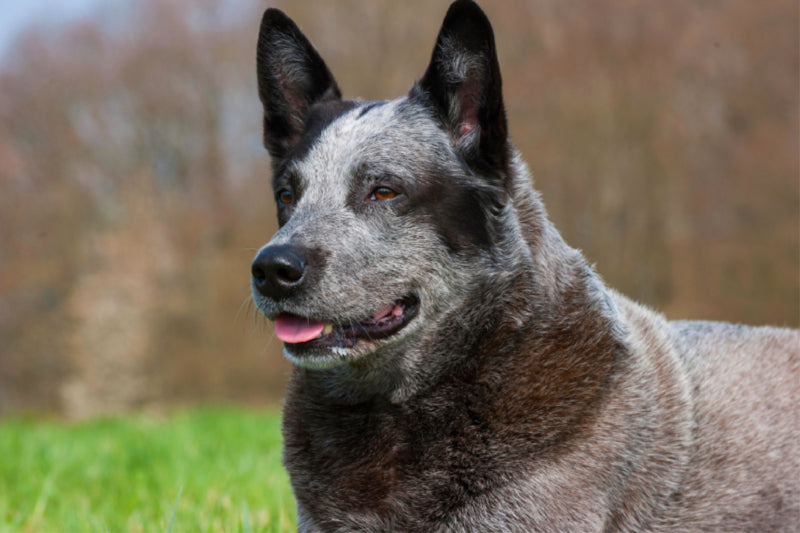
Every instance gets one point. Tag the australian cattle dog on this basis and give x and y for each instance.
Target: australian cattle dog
(457, 366)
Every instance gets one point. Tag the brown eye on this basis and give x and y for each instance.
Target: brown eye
(285, 196)
(383, 193)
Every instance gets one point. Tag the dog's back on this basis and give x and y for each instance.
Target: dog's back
(745, 463)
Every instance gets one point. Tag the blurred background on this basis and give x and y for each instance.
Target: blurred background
(134, 190)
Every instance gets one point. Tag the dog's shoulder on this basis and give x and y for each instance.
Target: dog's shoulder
(745, 392)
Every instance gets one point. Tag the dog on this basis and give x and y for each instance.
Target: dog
(457, 366)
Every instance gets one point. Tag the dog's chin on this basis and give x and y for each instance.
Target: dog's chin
(344, 343)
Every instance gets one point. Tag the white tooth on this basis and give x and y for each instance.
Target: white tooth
(327, 329)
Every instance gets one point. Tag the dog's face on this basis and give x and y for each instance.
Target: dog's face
(386, 209)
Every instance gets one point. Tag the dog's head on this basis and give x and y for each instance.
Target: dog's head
(389, 212)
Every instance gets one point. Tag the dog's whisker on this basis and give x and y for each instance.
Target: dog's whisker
(247, 300)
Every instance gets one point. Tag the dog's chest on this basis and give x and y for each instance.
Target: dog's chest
(384, 465)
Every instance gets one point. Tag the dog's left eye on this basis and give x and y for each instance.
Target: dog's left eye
(382, 194)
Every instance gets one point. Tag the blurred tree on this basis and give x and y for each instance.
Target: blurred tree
(663, 135)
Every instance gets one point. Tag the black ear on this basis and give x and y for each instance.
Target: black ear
(463, 83)
(291, 78)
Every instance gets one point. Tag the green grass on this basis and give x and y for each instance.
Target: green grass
(202, 470)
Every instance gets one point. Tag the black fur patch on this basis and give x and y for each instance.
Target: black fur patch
(320, 116)
(457, 213)
(369, 106)
(291, 78)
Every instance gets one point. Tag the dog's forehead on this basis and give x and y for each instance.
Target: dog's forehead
(393, 134)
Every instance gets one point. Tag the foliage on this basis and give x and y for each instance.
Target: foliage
(126, 474)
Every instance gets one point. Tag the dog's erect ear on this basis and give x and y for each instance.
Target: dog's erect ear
(291, 78)
(463, 83)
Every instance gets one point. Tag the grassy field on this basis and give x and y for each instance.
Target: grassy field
(194, 471)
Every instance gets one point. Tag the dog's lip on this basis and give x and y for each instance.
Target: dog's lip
(384, 323)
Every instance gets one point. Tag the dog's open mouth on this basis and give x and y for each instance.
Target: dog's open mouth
(307, 332)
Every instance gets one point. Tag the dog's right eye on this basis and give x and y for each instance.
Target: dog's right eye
(285, 196)
(382, 194)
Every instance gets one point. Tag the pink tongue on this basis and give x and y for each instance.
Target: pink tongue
(386, 311)
(294, 329)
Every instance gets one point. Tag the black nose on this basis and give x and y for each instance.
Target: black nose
(278, 270)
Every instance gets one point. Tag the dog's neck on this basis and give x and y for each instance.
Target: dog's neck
(560, 334)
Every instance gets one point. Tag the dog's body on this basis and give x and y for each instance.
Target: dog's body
(458, 366)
